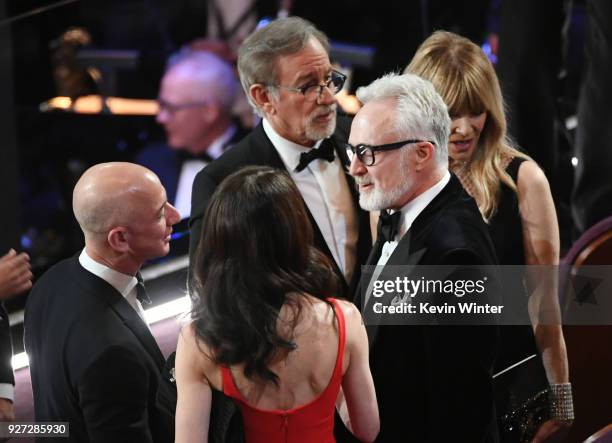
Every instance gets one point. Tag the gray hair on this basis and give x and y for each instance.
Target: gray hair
(258, 54)
(211, 72)
(420, 113)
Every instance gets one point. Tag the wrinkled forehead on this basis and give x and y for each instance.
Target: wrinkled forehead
(312, 61)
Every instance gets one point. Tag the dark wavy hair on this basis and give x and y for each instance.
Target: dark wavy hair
(255, 249)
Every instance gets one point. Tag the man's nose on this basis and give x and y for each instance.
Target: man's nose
(162, 116)
(172, 215)
(356, 167)
(326, 96)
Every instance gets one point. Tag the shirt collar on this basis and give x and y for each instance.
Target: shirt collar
(121, 282)
(216, 148)
(289, 151)
(412, 209)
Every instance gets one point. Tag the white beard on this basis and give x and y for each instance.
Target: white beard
(316, 132)
(375, 199)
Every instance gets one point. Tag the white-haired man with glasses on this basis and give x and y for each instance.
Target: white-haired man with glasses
(287, 76)
(433, 383)
(195, 101)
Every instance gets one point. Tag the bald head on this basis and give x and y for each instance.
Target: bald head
(203, 76)
(112, 194)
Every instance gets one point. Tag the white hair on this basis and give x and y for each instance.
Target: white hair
(212, 73)
(421, 113)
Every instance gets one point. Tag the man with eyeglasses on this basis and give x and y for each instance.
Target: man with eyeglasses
(288, 78)
(433, 383)
(195, 109)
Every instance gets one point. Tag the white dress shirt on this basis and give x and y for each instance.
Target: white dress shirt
(124, 284)
(190, 168)
(326, 193)
(410, 211)
(7, 391)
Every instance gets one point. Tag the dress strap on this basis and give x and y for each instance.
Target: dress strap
(229, 387)
(513, 167)
(341, 338)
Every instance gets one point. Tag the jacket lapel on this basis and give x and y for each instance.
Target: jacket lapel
(102, 289)
(423, 223)
(133, 321)
(268, 155)
(412, 247)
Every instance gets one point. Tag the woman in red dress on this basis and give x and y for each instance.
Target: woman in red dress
(264, 327)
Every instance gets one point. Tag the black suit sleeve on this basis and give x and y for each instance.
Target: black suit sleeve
(203, 188)
(113, 394)
(6, 349)
(460, 359)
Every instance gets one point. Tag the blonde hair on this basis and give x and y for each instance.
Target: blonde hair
(464, 77)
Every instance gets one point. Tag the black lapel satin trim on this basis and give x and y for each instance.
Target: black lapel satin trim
(133, 321)
(268, 155)
(426, 219)
(103, 289)
(263, 151)
(411, 247)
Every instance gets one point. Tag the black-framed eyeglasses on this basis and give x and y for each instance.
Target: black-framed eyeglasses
(365, 153)
(172, 108)
(312, 91)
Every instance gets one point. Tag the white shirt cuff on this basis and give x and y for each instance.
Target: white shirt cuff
(7, 391)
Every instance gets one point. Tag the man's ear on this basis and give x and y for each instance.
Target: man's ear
(118, 239)
(261, 97)
(211, 112)
(424, 152)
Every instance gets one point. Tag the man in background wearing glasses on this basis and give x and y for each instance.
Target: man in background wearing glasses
(287, 76)
(433, 383)
(195, 108)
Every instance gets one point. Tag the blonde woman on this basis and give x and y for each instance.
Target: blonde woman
(512, 194)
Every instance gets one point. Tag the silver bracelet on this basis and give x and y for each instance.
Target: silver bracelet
(561, 402)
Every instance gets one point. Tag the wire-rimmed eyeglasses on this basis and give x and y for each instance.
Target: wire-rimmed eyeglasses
(173, 108)
(312, 91)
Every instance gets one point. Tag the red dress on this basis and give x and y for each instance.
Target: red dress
(312, 422)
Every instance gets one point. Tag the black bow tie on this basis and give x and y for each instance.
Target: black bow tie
(388, 225)
(325, 151)
(141, 292)
(185, 155)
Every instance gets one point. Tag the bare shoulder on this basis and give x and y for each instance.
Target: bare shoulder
(188, 336)
(531, 178)
(194, 349)
(352, 319)
(350, 311)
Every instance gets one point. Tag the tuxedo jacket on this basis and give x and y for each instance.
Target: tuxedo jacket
(93, 361)
(6, 349)
(433, 383)
(167, 162)
(257, 149)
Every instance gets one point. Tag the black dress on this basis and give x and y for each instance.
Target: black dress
(517, 342)
(505, 228)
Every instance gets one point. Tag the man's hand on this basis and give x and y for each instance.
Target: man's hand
(552, 431)
(15, 274)
(7, 413)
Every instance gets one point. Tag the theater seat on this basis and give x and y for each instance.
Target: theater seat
(589, 347)
(602, 436)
